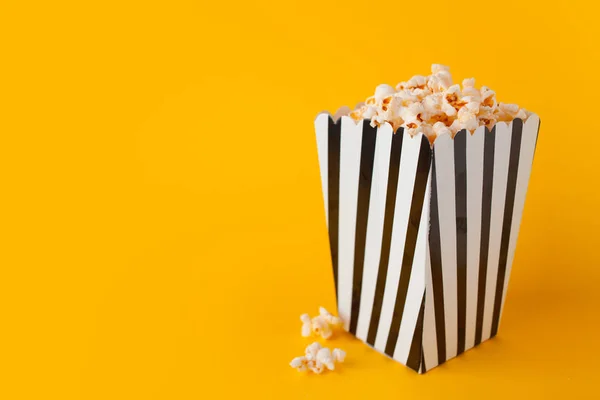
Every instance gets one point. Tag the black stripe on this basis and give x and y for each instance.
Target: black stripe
(388, 221)
(435, 252)
(423, 366)
(416, 350)
(511, 186)
(460, 185)
(410, 242)
(333, 182)
(489, 141)
(367, 158)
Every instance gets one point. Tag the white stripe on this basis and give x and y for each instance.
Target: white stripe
(429, 329)
(406, 181)
(444, 164)
(321, 129)
(501, 161)
(379, 183)
(528, 141)
(474, 195)
(350, 147)
(416, 286)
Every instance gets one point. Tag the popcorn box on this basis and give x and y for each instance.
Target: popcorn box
(422, 236)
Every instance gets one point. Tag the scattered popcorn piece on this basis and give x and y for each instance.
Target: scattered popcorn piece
(434, 105)
(317, 368)
(322, 325)
(330, 318)
(300, 363)
(311, 351)
(318, 358)
(306, 325)
(324, 357)
(338, 355)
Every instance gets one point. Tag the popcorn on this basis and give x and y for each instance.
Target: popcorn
(468, 83)
(317, 368)
(300, 363)
(382, 91)
(325, 358)
(378, 120)
(470, 90)
(467, 119)
(338, 355)
(412, 115)
(448, 109)
(471, 106)
(510, 109)
(321, 325)
(488, 97)
(434, 105)
(331, 319)
(435, 68)
(416, 81)
(306, 325)
(441, 78)
(370, 112)
(318, 358)
(522, 114)
(311, 351)
(439, 128)
(356, 114)
(507, 112)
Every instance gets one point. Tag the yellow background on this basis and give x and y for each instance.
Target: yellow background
(162, 223)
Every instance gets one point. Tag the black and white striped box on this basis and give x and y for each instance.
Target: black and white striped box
(423, 237)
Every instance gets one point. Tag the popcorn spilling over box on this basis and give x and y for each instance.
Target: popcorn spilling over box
(424, 187)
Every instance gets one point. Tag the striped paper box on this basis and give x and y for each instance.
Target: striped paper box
(423, 237)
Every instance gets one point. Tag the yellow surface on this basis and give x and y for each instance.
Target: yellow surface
(162, 222)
